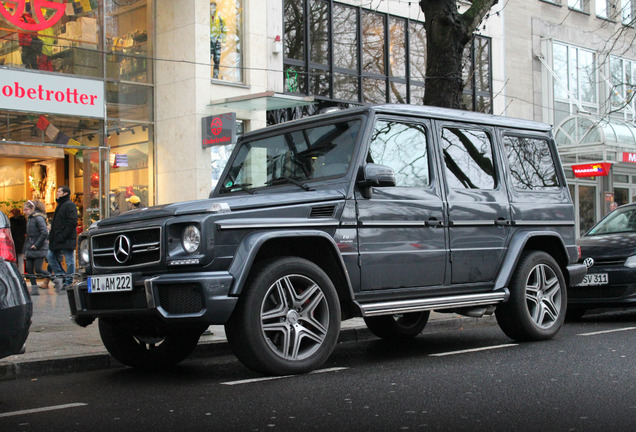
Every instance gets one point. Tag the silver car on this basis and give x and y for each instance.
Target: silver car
(16, 307)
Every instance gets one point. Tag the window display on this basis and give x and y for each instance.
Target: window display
(61, 37)
(226, 50)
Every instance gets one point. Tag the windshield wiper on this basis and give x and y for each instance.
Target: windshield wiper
(241, 186)
(281, 180)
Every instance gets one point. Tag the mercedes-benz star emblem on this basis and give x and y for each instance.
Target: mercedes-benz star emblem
(122, 249)
(589, 262)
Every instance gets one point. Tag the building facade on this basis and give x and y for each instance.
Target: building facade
(162, 74)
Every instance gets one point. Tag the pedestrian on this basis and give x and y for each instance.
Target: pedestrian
(134, 202)
(18, 232)
(36, 244)
(63, 239)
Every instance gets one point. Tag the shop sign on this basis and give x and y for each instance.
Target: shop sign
(51, 94)
(629, 157)
(13, 11)
(219, 130)
(592, 170)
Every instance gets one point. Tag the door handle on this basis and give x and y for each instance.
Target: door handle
(503, 222)
(434, 223)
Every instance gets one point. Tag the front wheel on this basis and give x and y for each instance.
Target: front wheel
(398, 327)
(145, 350)
(287, 319)
(538, 297)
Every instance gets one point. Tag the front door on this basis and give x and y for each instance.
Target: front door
(401, 229)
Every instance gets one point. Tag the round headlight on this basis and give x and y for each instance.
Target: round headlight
(84, 255)
(191, 239)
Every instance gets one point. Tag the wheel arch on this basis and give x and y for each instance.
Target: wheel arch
(315, 246)
(550, 242)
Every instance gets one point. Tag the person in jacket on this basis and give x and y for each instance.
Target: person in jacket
(36, 244)
(63, 239)
(18, 232)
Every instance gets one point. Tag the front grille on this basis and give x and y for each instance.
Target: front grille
(181, 299)
(145, 248)
(596, 292)
(128, 300)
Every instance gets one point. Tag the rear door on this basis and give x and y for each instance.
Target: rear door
(478, 207)
(401, 229)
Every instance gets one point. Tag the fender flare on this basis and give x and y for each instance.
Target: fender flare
(515, 248)
(251, 244)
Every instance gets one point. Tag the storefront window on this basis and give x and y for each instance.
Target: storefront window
(67, 41)
(226, 40)
(587, 208)
(128, 47)
(130, 165)
(129, 101)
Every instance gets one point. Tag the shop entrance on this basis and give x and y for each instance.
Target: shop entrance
(32, 171)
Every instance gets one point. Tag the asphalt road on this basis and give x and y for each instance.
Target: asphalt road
(456, 380)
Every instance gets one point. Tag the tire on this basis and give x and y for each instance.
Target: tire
(146, 351)
(398, 327)
(574, 314)
(538, 298)
(287, 319)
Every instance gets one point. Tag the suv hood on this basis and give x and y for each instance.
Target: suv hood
(235, 202)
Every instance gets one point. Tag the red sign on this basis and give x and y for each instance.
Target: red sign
(14, 9)
(219, 130)
(592, 170)
(629, 157)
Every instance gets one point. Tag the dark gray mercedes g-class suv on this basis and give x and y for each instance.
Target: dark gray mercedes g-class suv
(383, 212)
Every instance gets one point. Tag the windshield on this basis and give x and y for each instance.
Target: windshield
(293, 157)
(620, 220)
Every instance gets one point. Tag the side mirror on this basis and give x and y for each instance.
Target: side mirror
(375, 175)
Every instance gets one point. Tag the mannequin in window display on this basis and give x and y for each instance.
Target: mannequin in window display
(217, 37)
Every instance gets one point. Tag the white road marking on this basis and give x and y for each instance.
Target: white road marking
(37, 410)
(607, 331)
(247, 381)
(472, 350)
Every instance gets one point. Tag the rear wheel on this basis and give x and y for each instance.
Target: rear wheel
(399, 326)
(536, 307)
(144, 350)
(287, 319)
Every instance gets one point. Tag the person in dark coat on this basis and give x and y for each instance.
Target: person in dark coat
(36, 244)
(18, 232)
(63, 239)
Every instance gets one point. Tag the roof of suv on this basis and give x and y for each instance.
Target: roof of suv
(416, 110)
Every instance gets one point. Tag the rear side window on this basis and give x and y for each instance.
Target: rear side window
(468, 159)
(531, 163)
(401, 146)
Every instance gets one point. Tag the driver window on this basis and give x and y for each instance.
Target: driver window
(401, 146)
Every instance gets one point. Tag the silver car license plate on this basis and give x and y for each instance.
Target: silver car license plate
(110, 283)
(595, 279)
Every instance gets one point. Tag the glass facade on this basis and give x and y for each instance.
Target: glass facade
(372, 57)
(98, 157)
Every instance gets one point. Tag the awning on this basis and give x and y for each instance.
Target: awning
(264, 101)
(586, 138)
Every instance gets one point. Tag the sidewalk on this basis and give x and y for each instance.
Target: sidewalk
(57, 345)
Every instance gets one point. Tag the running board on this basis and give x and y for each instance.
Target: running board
(418, 305)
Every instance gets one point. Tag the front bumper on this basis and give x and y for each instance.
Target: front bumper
(174, 299)
(619, 291)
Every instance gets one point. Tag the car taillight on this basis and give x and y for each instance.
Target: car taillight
(7, 247)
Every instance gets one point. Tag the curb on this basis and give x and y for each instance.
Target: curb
(84, 363)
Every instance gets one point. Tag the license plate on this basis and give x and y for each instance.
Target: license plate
(595, 279)
(110, 283)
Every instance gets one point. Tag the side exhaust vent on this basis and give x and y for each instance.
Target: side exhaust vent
(325, 211)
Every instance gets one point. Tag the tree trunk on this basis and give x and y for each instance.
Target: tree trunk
(447, 33)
